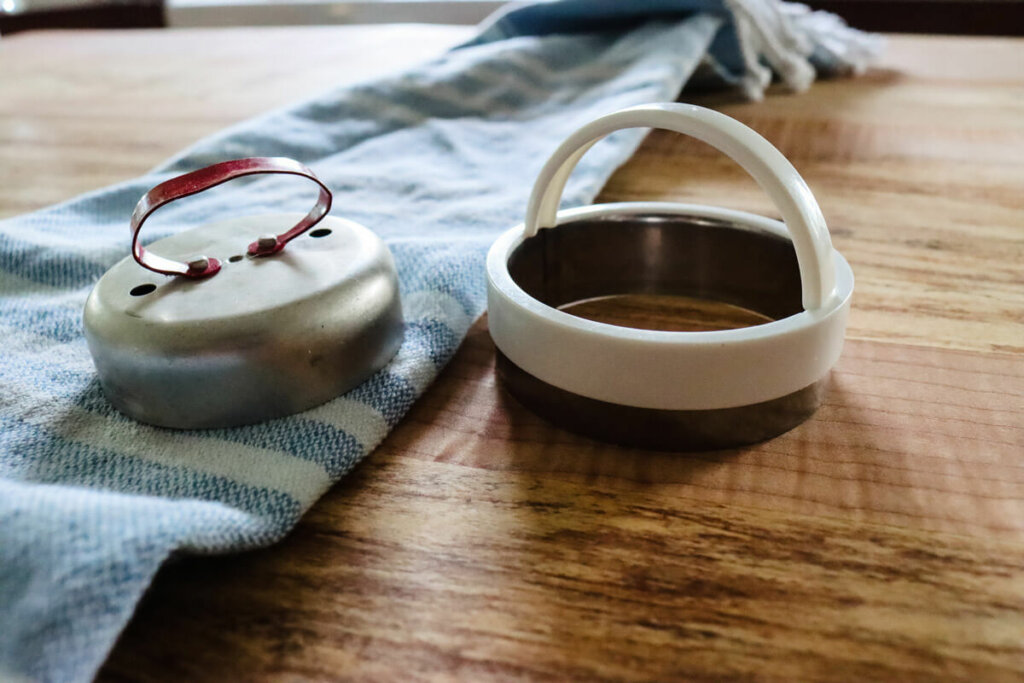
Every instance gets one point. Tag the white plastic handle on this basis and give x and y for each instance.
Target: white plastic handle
(771, 170)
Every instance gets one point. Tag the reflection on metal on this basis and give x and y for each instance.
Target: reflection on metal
(266, 337)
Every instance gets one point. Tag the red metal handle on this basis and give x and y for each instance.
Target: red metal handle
(211, 176)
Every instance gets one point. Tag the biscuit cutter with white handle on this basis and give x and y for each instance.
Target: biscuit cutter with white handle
(662, 389)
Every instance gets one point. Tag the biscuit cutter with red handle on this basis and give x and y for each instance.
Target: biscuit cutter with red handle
(245, 319)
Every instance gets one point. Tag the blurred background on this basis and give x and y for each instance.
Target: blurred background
(979, 17)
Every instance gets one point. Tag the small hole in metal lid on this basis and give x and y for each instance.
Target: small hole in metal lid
(236, 258)
(142, 290)
(320, 232)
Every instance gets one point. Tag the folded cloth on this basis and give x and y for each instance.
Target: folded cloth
(438, 160)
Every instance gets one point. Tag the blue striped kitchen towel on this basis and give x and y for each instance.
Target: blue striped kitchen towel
(438, 160)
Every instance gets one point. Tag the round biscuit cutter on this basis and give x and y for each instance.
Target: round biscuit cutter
(657, 389)
(207, 329)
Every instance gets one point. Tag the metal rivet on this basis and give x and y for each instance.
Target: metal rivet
(199, 264)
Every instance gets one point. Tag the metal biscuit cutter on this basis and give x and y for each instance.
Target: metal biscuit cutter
(204, 329)
(666, 389)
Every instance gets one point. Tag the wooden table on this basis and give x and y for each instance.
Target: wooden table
(884, 539)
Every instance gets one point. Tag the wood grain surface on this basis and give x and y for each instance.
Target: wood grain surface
(80, 110)
(881, 540)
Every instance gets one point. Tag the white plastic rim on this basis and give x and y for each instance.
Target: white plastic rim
(677, 370)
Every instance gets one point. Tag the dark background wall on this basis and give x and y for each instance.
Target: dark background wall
(970, 17)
